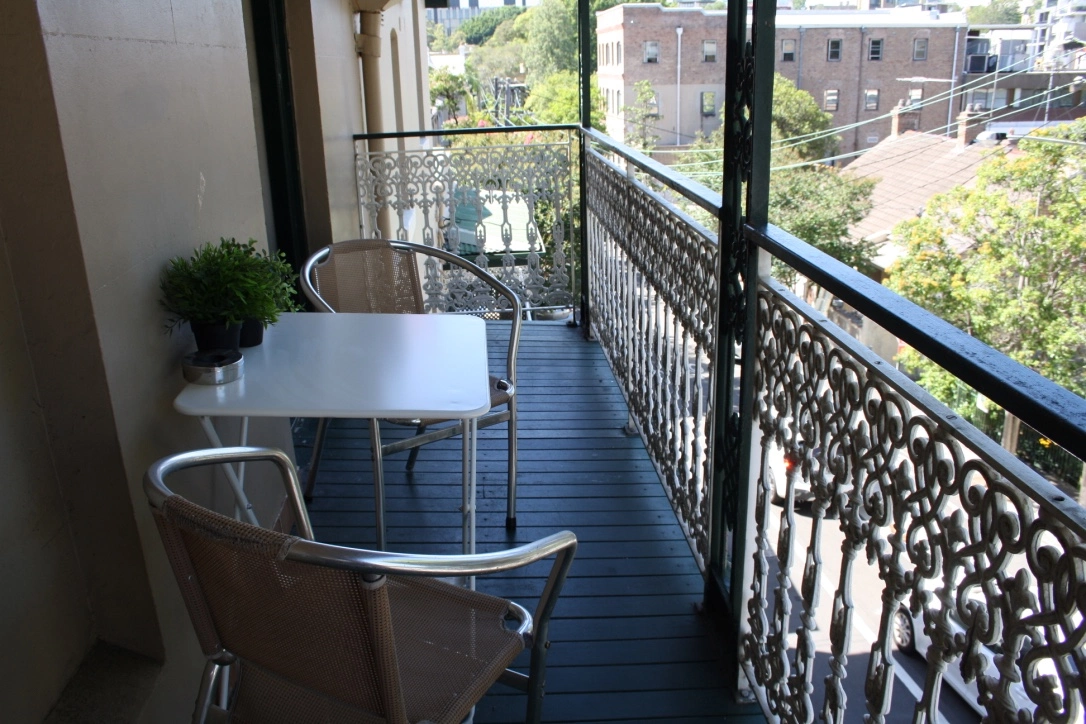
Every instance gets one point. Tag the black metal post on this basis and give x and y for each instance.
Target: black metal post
(584, 30)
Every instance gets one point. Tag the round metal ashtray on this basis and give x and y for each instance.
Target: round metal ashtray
(213, 367)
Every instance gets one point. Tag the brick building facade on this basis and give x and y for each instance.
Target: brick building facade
(856, 65)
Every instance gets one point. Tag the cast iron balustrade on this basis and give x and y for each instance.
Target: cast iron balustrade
(919, 503)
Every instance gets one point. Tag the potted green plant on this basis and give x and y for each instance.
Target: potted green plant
(223, 285)
(277, 294)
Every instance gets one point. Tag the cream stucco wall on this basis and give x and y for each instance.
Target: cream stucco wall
(129, 138)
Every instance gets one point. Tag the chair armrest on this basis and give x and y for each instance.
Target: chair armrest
(154, 485)
(410, 564)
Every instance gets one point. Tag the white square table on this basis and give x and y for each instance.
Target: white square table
(371, 366)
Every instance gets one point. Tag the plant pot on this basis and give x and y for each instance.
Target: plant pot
(216, 335)
(252, 332)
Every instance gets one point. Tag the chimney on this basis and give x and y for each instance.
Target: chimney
(903, 117)
(969, 126)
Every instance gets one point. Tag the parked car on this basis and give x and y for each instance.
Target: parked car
(909, 637)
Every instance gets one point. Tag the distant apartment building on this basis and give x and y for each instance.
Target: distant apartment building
(858, 65)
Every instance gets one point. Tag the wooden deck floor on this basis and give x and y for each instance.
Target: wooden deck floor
(627, 642)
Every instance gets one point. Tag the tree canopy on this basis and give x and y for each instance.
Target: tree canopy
(557, 99)
(552, 39)
(641, 117)
(1004, 260)
(814, 202)
(479, 29)
(996, 12)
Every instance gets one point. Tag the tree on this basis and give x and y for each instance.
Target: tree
(996, 12)
(438, 40)
(641, 117)
(552, 39)
(557, 99)
(796, 115)
(1003, 261)
(448, 88)
(814, 202)
(479, 29)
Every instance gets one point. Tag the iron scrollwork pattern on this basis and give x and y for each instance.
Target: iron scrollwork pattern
(653, 286)
(951, 527)
(502, 192)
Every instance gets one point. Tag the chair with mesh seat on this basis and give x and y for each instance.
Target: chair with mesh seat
(382, 277)
(298, 631)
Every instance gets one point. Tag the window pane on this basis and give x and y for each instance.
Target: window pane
(708, 103)
(920, 49)
(652, 51)
(788, 51)
(829, 100)
(833, 50)
(915, 96)
(708, 51)
(874, 51)
(871, 100)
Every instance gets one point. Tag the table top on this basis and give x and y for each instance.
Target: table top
(356, 365)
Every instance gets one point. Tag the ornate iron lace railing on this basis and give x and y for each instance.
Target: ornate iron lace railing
(951, 529)
(501, 198)
(653, 289)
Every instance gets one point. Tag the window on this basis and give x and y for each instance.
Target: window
(788, 51)
(920, 49)
(654, 104)
(652, 51)
(833, 49)
(708, 103)
(874, 49)
(915, 96)
(871, 100)
(618, 100)
(618, 52)
(829, 100)
(708, 51)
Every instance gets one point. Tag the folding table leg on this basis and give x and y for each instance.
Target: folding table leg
(236, 483)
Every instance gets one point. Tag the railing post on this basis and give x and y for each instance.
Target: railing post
(584, 18)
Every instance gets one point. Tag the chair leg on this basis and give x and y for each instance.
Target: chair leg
(315, 459)
(414, 454)
(207, 691)
(511, 493)
(537, 675)
(378, 481)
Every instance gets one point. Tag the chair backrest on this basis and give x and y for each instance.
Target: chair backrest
(309, 638)
(368, 275)
(381, 276)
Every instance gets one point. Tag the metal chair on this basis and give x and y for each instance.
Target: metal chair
(381, 276)
(299, 631)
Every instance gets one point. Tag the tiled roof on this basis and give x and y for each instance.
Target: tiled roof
(911, 169)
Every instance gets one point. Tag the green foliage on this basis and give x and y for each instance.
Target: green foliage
(557, 99)
(449, 88)
(996, 12)
(641, 117)
(796, 114)
(229, 282)
(818, 204)
(479, 29)
(552, 39)
(438, 41)
(815, 203)
(1003, 260)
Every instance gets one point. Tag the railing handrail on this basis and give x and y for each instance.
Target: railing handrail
(462, 131)
(1055, 412)
(692, 190)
